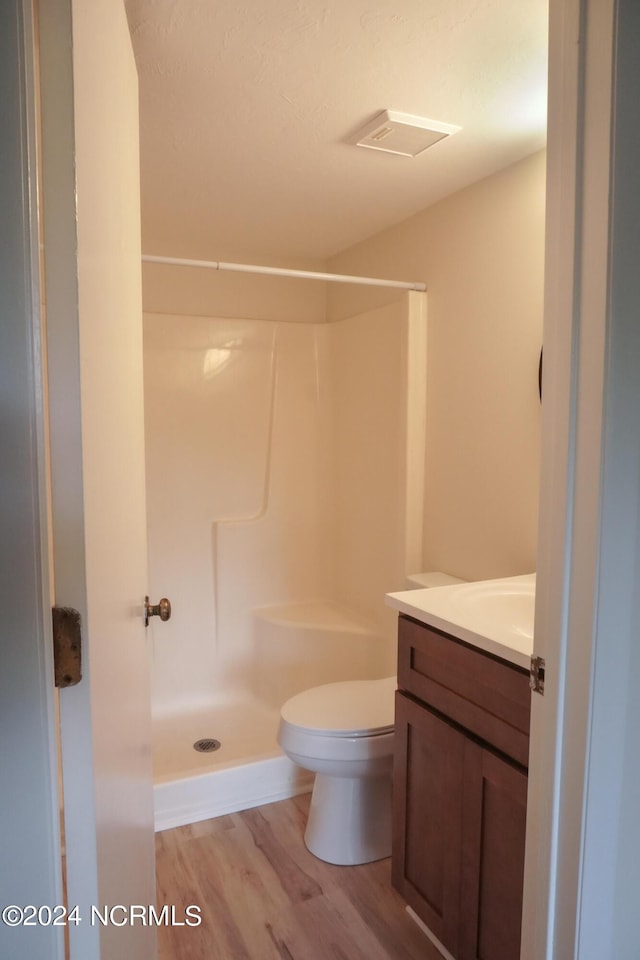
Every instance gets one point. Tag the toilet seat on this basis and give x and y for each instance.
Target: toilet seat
(351, 708)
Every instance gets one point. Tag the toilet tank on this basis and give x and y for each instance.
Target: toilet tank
(435, 578)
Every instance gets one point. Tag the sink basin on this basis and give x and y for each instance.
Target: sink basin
(496, 615)
(499, 605)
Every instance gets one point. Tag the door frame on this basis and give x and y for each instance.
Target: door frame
(57, 122)
(30, 840)
(583, 848)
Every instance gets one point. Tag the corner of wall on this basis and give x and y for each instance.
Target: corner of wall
(480, 252)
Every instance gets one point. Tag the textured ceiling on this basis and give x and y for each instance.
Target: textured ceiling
(247, 107)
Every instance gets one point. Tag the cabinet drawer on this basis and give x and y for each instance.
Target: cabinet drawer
(483, 694)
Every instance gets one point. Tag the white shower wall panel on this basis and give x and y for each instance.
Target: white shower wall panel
(239, 490)
(303, 645)
(285, 467)
(283, 555)
(208, 389)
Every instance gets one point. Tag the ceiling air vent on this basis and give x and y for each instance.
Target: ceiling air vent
(402, 133)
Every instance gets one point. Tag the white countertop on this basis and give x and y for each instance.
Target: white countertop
(493, 615)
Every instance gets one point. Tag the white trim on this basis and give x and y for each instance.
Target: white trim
(207, 795)
(415, 430)
(30, 832)
(430, 936)
(610, 852)
(29, 26)
(67, 494)
(583, 850)
(557, 464)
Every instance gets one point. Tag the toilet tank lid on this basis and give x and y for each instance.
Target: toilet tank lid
(434, 578)
(349, 708)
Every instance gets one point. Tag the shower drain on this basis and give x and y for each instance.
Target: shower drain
(207, 745)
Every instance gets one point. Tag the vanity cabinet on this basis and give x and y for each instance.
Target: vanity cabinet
(460, 791)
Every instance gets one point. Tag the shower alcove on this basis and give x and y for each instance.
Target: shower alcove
(285, 480)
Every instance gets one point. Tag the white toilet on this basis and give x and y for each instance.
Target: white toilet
(344, 733)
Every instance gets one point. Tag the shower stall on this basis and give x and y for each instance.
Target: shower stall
(285, 483)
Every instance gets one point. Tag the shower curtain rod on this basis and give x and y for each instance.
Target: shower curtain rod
(281, 272)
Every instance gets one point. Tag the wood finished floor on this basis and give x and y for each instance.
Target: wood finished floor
(265, 897)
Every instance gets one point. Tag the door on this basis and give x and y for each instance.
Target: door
(428, 783)
(94, 312)
(460, 814)
(492, 865)
(29, 834)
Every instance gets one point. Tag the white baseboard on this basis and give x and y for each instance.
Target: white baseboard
(425, 929)
(178, 802)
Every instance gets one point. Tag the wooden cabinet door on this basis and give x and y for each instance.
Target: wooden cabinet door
(492, 866)
(428, 781)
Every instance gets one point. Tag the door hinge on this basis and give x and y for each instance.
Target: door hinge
(536, 674)
(67, 646)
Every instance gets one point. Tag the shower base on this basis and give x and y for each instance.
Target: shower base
(247, 770)
(296, 646)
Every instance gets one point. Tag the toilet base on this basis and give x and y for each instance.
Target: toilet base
(350, 819)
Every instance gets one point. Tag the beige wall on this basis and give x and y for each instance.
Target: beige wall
(480, 252)
(376, 392)
(196, 292)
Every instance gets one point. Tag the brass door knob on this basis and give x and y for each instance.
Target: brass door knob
(161, 609)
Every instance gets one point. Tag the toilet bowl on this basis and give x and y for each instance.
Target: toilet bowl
(343, 732)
